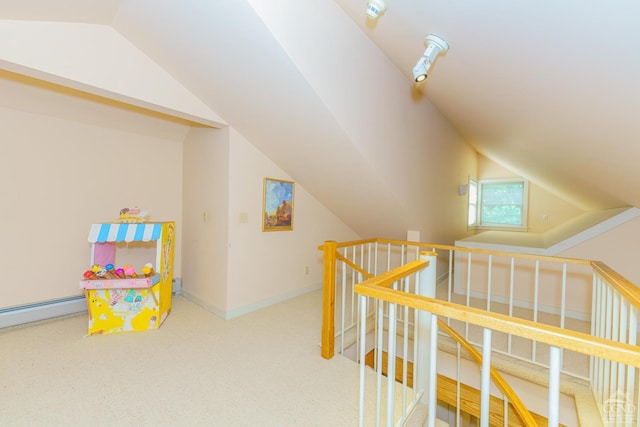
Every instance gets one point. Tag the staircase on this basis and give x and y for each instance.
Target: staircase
(447, 392)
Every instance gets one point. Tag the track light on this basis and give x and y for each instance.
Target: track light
(435, 46)
(375, 8)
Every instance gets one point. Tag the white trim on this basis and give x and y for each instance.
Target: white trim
(41, 311)
(502, 248)
(472, 191)
(578, 238)
(227, 315)
(194, 299)
(606, 225)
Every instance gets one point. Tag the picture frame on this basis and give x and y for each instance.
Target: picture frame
(277, 205)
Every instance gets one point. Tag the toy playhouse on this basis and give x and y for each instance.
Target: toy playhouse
(134, 301)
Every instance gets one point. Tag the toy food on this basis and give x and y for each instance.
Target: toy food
(129, 271)
(111, 273)
(148, 270)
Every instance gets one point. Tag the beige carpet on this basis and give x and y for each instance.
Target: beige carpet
(263, 369)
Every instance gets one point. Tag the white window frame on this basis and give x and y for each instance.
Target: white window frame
(472, 203)
(479, 224)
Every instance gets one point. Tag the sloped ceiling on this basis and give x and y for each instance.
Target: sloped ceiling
(547, 89)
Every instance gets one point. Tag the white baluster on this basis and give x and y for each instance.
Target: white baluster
(433, 372)
(485, 384)
(363, 337)
(490, 265)
(535, 307)
(554, 386)
(511, 280)
(391, 365)
(426, 350)
(378, 360)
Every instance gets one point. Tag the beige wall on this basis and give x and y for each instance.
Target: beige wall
(264, 266)
(618, 248)
(549, 283)
(66, 163)
(411, 158)
(97, 59)
(205, 212)
(233, 267)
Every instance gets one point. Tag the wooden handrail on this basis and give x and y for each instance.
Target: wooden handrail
(552, 335)
(462, 249)
(627, 289)
(353, 265)
(387, 279)
(379, 287)
(352, 243)
(498, 380)
(390, 277)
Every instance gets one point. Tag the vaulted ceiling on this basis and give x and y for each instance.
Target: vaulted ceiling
(547, 89)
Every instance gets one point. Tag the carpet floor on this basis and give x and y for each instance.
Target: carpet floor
(262, 369)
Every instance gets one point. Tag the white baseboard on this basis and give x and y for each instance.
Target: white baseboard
(227, 315)
(198, 301)
(41, 311)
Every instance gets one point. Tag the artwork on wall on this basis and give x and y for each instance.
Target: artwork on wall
(277, 205)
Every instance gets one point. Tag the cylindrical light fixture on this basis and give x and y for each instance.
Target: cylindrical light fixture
(435, 46)
(375, 8)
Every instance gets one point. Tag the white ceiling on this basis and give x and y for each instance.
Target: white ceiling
(548, 89)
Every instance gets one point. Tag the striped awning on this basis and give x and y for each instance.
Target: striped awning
(101, 233)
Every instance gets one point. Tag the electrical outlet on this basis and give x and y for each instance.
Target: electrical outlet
(306, 269)
(244, 217)
(205, 216)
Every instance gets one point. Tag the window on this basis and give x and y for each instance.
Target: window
(499, 203)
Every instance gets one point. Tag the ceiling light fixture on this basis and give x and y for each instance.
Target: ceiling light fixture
(435, 46)
(375, 8)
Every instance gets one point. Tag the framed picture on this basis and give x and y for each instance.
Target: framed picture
(277, 205)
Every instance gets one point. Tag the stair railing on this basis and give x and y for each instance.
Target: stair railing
(613, 308)
(379, 289)
(510, 396)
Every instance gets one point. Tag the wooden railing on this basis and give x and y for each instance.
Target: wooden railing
(615, 358)
(582, 343)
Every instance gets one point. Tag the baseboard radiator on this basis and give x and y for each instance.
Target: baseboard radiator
(41, 311)
(28, 313)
